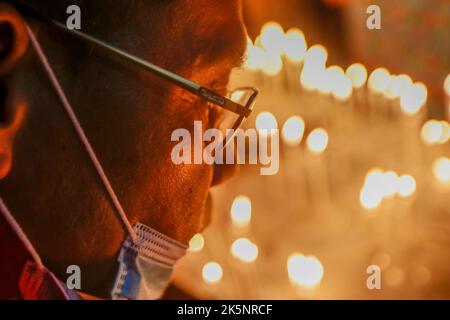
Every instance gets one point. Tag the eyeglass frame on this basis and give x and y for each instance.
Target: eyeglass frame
(243, 111)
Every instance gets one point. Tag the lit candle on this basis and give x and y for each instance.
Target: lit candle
(197, 243)
(305, 273)
(273, 41)
(250, 73)
(441, 172)
(314, 66)
(447, 95)
(244, 250)
(295, 52)
(357, 74)
(378, 84)
(413, 106)
(241, 211)
(212, 273)
(413, 100)
(292, 135)
(293, 131)
(317, 143)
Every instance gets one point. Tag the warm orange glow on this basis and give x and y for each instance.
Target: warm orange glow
(273, 38)
(441, 170)
(317, 141)
(357, 74)
(244, 250)
(212, 273)
(197, 243)
(379, 80)
(433, 132)
(241, 211)
(293, 130)
(295, 45)
(305, 271)
(414, 99)
(447, 85)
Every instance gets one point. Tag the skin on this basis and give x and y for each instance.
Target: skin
(128, 114)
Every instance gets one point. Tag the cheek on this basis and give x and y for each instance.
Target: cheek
(5, 163)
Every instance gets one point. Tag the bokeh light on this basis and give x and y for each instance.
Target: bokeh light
(406, 186)
(317, 141)
(293, 130)
(433, 132)
(266, 121)
(244, 250)
(197, 243)
(273, 38)
(357, 74)
(413, 99)
(295, 45)
(212, 273)
(379, 80)
(241, 211)
(305, 271)
(441, 169)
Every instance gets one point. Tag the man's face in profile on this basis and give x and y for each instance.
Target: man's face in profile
(129, 116)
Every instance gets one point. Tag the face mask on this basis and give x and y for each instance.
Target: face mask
(147, 257)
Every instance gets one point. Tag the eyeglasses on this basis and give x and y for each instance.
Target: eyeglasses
(236, 108)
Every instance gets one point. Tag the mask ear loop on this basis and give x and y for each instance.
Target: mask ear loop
(22, 236)
(29, 246)
(79, 129)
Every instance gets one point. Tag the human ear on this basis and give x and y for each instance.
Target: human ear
(13, 45)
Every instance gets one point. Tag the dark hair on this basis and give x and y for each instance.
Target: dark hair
(51, 9)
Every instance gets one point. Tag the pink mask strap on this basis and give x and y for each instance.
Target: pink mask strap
(22, 236)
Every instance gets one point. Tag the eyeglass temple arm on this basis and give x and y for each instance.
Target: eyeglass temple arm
(174, 78)
(178, 80)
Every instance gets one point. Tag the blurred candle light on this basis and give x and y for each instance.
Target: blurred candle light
(325, 81)
(357, 74)
(414, 99)
(241, 211)
(433, 132)
(447, 93)
(370, 197)
(255, 58)
(244, 250)
(295, 45)
(391, 183)
(293, 131)
(212, 273)
(406, 186)
(265, 122)
(374, 177)
(317, 141)
(197, 243)
(447, 85)
(379, 80)
(273, 38)
(398, 85)
(441, 170)
(272, 65)
(445, 137)
(372, 192)
(314, 67)
(304, 271)
(342, 89)
(316, 58)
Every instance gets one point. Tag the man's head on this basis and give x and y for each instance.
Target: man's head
(128, 115)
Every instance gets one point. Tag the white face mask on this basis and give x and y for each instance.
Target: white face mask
(147, 257)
